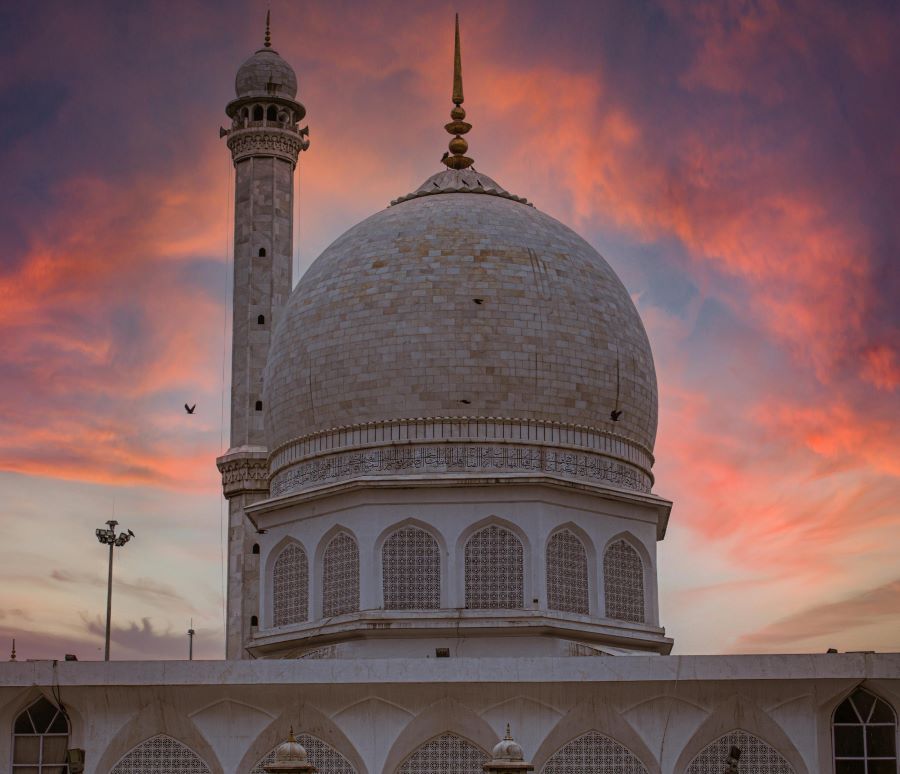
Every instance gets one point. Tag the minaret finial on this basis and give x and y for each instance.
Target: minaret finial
(12, 656)
(508, 733)
(268, 41)
(457, 126)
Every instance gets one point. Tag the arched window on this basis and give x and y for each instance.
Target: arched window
(443, 754)
(340, 576)
(258, 113)
(411, 570)
(865, 735)
(161, 755)
(258, 405)
(567, 574)
(261, 319)
(494, 570)
(594, 753)
(40, 739)
(323, 756)
(623, 580)
(756, 755)
(272, 113)
(262, 252)
(290, 586)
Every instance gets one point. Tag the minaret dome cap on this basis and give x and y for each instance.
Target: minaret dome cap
(266, 74)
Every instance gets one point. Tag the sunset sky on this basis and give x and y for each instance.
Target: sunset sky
(738, 164)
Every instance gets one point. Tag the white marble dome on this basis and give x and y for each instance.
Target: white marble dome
(265, 74)
(461, 300)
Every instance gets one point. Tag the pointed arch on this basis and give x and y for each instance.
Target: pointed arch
(568, 572)
(624, 589)
(40, 738)
(443, 753)
(593, 753)
(864, 733)
(410, 568)
(161, 754)
(494, 568)
(290, 585)
(340, 573)
(756, 755)
(322, 755)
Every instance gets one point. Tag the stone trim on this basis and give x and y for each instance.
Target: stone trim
(474, 429)
(266, 141)
(472, 459)
(243, 473)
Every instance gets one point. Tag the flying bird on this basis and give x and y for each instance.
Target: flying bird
(130, 533)
(190, 409)
(615, 414)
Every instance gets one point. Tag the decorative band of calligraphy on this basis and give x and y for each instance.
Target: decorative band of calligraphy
(459, 458)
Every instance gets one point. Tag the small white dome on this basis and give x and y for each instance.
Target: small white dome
(265, 74)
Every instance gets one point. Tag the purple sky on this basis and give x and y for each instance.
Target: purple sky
(738, 164)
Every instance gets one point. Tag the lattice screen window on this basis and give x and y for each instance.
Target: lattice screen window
(445, 754)
(567, 574)
(411, 570)
(623, 579)
(594, 753)
(865, 735)
(757, 757)
(161, 755)
(495, 570)
(290, 586)
(40, 738)
(321, 755)
(340, 576)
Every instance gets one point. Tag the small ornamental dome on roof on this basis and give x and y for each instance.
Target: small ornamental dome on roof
(508, 749)
(266, 74)
(290, 758)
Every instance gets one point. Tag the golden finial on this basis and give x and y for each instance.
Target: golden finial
(12, 656)
(508, 733)
(291, 734)
(268, 41)
(457, 126)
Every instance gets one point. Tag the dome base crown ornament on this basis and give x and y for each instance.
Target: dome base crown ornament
(507, 757)
(290, 758)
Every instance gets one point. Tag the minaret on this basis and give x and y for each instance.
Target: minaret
(265, 141)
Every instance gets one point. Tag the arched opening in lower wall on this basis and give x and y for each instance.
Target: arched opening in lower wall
(756, 755)
(322, 755)
(594, 753)
(161, 754)
(443, 754)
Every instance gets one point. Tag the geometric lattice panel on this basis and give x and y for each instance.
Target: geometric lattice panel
(340, 576)
(594, 753)
(623, 580)
(321, 755)
(567, 574)
(411, 570)
(494, 570)
(757, 757)
(290, 586)
(445, 754)
(161, 755)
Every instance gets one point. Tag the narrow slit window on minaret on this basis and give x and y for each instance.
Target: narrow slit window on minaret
(261, 320)
(272, 113)
(262, 252)
(259, 405)
(254, 620)
(256, 548)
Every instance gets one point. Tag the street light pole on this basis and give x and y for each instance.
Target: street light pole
(108, 537)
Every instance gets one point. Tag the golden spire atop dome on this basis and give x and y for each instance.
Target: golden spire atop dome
(457, 159)
(267, 43)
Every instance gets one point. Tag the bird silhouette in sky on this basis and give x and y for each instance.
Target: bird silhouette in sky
(190, 409)
(615, 414)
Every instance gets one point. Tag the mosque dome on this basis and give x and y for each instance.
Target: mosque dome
(461, 301)
(265, 74)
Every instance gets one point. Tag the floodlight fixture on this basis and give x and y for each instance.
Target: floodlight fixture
(109, 538)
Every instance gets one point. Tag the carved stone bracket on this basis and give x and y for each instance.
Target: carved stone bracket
(244, 470)
(269, 141)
